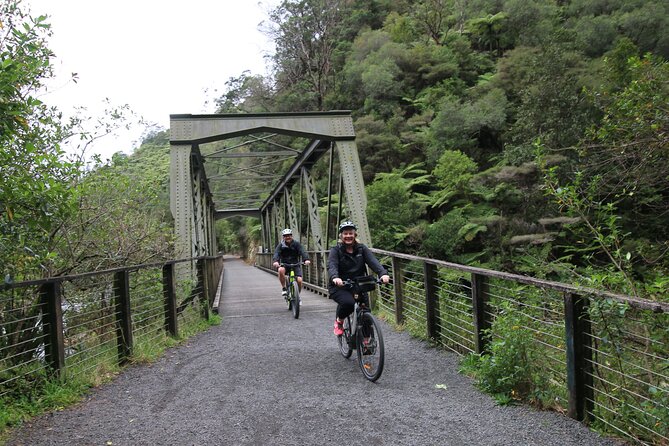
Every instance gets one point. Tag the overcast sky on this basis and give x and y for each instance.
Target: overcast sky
(157, 56)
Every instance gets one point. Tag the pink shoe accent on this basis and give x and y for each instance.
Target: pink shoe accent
(338, 328)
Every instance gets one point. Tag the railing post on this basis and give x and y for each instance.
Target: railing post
(316, 269)
(51, 293)
(481, 321)
(211, 288)
(123, 315)
(579, 356)
(323, 270)
(431, 300)
(202, 285)
(169, 293)
(397, 290)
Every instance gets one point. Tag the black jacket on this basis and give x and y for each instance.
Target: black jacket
(289, 253)
(348, 266)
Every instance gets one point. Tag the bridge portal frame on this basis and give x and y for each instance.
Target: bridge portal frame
(193, 206)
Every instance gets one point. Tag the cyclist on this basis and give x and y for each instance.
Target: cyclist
(348, 260)
(289, 251)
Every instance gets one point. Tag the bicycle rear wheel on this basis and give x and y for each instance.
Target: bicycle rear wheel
(370, 348)
(345, 339)
(295, 299)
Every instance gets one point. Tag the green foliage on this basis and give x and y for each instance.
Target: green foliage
(595, 34)
(245, 93)
(306, 34)
(511, 370)
(123, 214)
(459, 125)
(618, 191)
(453, 172)
(627, 150)
(597, 239)
(402, 29)
(390, 225)
(489, 32)
(647, 26)
(35, 192)
(378, 145)
(442, 240)
(552, 105)
(238, 235)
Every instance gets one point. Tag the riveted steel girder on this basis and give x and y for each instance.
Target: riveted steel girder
(279, 199)
(292, 214)
(314, 218)
(200, 129)
(354, 187)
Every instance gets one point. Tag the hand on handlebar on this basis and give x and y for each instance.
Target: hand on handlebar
(385, 278)
(337, 281)
(275, 264)
(307, 262)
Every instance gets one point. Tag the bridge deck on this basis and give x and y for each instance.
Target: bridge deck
(262, 377)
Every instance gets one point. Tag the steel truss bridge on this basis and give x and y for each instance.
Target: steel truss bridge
(265, 166)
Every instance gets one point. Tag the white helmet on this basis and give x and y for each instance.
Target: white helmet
(348, 224)
(287, 231)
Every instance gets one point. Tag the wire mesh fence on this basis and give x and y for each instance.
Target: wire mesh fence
(89, 318)
(22, 339)
(628, 370)
(83, 326)
(601, 358)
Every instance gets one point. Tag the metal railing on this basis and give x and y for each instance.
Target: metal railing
(76, 325)
(602, 358)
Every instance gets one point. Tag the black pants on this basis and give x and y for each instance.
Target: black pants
(345, 301)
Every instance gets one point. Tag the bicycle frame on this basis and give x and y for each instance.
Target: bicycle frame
(292, 285)
(354, 332)
(358, 309)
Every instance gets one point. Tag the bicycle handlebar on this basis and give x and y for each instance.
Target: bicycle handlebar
(292, 264)
(349, 282)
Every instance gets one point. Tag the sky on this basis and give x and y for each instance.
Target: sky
(159, 57)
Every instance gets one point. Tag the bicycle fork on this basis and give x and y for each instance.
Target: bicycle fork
(354, 324)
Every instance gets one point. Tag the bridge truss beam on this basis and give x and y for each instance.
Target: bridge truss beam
(204, 179)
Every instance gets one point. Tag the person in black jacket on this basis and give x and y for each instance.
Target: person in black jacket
(348, 260)
(289, 251)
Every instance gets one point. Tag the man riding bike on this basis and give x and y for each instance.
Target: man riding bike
(289, 251)
(348, 260)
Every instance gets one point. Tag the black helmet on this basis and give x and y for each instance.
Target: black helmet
(348, 224)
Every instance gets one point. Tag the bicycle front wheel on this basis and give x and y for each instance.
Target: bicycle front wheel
(369, 343)
(289, 297)
(295, 299)
(345, 339)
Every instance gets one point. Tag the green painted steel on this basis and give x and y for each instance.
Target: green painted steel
(278, 194)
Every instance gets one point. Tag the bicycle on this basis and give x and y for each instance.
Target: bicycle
(362, 332)
(292, 289)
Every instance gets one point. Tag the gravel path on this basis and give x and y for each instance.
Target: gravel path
(264, 378)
